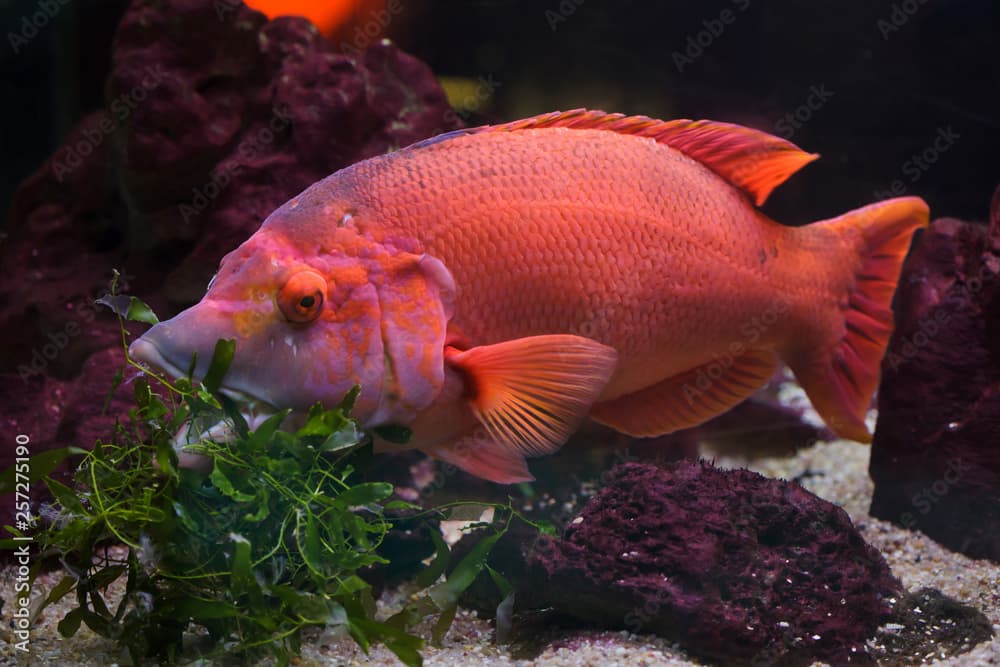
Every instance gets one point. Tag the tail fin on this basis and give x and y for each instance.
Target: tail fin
(840, 376)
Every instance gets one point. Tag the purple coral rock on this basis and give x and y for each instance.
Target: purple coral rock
(738, 567)
(936, 454)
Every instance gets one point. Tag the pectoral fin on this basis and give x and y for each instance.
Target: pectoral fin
(530, 394)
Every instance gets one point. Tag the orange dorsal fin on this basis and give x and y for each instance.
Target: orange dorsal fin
(751, 160)
(531, 393)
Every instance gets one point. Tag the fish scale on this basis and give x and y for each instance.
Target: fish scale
(595, 237)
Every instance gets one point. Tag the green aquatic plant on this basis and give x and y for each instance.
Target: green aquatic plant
(244, 558)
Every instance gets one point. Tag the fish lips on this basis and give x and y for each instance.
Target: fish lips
(147, 351)
(253, 410)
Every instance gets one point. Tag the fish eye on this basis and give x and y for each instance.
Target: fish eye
(301, 299)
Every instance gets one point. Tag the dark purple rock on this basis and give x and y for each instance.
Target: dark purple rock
(211, 122)
(936, 454)
(737, 567)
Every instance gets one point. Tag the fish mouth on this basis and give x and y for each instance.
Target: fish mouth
(253, 409)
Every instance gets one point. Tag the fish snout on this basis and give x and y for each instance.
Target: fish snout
(171, 345)
(154, 349)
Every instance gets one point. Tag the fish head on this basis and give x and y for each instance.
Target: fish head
(312, 318)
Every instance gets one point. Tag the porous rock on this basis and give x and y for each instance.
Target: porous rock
(936, 454)
(738, 568)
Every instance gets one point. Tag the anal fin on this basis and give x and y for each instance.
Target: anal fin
(690, 398)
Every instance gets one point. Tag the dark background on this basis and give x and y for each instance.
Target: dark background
(893, 90)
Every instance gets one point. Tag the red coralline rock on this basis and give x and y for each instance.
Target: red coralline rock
(738, 568)
(214, 117)
(936, 454)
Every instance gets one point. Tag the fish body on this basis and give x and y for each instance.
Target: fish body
(490, 288)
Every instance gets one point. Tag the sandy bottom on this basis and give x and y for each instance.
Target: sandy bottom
(836, 471)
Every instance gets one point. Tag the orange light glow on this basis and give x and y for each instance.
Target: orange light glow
(330, 16)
